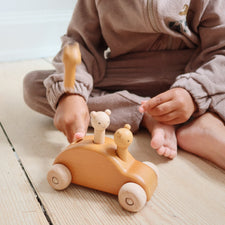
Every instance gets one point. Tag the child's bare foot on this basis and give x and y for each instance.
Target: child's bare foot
(205, 137)
(163, 137)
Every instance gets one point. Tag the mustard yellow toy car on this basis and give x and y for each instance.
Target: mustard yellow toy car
(107, 167)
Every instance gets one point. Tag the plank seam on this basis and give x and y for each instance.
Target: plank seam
(29, 180)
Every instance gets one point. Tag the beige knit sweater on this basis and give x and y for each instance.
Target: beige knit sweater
(149, 26)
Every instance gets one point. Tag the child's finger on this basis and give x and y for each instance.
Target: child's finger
(69, 132)
(141, 109)
(166, 118)
(143, 102)
(162, 109)
(157, 100)
(79, 135)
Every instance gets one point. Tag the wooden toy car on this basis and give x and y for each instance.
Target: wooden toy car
(107, 167)
(100, 162)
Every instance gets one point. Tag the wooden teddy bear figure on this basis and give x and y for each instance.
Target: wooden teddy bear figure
(100, 121)
(123, 137)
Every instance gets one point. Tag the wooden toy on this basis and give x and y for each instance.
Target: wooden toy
(123, 138)
(71, 58)
(103, 163)
(100, 121)
(107, 167)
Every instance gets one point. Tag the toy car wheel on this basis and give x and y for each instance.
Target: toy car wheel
(132, 197)
(59, 177)
(153, 166)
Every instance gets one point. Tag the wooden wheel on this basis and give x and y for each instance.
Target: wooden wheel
(59, 177)
(132, 197)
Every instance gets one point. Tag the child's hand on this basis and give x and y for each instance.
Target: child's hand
(171, 107)
(72, 117)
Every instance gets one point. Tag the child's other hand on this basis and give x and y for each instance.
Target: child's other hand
(72, 116)
(171, 107)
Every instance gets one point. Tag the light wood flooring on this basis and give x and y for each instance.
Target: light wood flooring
(190, 190)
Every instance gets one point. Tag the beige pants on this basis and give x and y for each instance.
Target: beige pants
(127, 82)
(124, 105)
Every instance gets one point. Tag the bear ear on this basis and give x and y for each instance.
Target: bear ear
(108, 112)
(93, 114)
(127, 126)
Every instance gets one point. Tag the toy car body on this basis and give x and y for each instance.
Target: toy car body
(99, 167)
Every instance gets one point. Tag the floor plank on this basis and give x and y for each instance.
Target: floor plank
(190, 190)
(18, 204)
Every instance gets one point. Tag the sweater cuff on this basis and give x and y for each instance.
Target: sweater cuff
(55, 86)
(56, 90)
(196, 90)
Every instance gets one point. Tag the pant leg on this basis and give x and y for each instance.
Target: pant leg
(123, 105)
(34, 92)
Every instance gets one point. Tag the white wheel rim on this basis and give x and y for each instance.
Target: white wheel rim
(59, 177)
(55, 180)
(129, 201)
(132, 197)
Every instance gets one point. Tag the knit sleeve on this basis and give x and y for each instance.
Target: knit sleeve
(205, 78)
(85, 29)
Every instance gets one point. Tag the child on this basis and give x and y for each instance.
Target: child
(171, 51)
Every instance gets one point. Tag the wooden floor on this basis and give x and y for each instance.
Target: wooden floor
(190, 190)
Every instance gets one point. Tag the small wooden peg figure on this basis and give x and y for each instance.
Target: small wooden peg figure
(71, 58)
(123, 137)
(100, 121)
